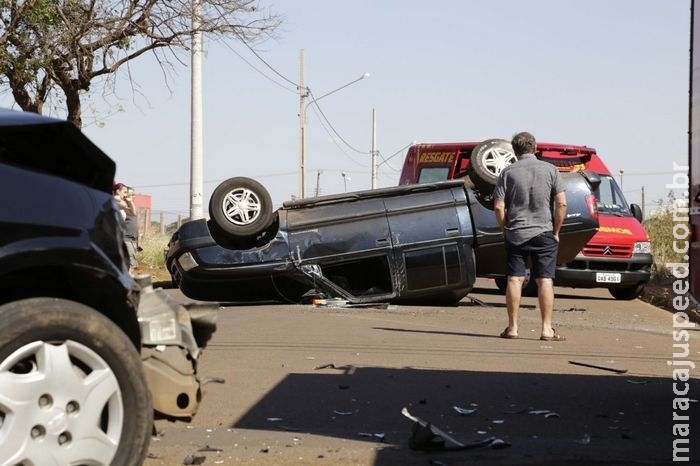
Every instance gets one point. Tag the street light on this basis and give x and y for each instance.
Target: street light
(346, 178)
(304, 92)
(621, 172)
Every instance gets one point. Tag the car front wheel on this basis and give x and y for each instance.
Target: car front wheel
(626, 293)
(72, 389)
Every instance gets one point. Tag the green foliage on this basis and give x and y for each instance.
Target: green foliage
(660, 227)
(153, 254)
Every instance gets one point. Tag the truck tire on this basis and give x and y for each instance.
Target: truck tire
(626, 293)
(487, 161)
(241, 207)
(72, 389)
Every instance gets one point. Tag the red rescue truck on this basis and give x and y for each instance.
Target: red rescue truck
(618, 257)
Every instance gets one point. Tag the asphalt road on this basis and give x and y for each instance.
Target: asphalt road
(326, 386)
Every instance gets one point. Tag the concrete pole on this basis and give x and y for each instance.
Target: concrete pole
(374, 149)
(196, 176)
(303, 93)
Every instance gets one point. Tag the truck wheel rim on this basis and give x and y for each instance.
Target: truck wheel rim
(59, 404)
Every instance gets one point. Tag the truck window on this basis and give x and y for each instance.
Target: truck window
(610, 198)
(432, 174)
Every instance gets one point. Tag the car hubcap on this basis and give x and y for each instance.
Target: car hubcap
(59, 404)
(241, 206)
(495, 160)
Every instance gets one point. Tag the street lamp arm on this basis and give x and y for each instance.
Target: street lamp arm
(316, 99)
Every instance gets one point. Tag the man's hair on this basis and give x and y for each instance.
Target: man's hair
(523, 143)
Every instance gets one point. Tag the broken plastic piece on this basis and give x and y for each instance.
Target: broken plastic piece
(427, 437)
(498, 443)
(464, 411)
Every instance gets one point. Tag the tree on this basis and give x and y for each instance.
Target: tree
(58, 48)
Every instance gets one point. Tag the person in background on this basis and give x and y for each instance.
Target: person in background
(523, 200)
(125, 197)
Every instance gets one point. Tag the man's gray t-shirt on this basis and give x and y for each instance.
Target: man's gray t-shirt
(528, 188)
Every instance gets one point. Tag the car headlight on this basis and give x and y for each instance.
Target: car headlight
(187, 262)
(643, 247)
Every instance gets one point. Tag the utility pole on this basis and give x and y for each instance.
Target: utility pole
(303, 94)
(196, 177)
(374, 149)
(318, 182)
(642, 199)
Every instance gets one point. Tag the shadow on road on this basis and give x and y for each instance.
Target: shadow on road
(546, 418)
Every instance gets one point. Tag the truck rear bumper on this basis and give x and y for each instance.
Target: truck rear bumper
(603, 272)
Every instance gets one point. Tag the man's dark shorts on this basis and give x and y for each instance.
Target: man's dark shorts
(542, 249)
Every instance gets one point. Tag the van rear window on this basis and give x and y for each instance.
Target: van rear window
(433, 174)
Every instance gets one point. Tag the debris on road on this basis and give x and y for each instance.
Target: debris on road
(544, 412)
(427, 437)
(595, 366)
(464, 411)
(570, 309)
(379, 435)
(324, 366)
(210, 449)
(192, 459)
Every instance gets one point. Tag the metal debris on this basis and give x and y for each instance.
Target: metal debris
(476, 301)
(605, 368)
(208, 448)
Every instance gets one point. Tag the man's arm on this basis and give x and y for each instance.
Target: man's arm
(559, 212)
(499, 208)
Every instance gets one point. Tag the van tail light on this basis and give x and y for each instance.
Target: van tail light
(592, 204)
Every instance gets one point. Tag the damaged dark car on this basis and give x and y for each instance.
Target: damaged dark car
(88, 353)
(410, 244)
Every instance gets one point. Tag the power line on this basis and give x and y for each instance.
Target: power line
(315, 103)
(296, 85)
(262, 73)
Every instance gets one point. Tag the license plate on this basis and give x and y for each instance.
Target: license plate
(601, 277)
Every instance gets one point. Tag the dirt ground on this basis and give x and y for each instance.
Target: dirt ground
(324, 386)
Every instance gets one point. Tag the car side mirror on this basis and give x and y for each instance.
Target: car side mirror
(592, 177)
(637, 212)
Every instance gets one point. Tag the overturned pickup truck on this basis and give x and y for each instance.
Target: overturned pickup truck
(407, 244)
(88, 356)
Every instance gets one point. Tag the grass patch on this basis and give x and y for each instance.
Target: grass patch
(152, 257)
(660, 227)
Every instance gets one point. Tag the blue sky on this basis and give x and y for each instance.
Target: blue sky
(607, 74)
